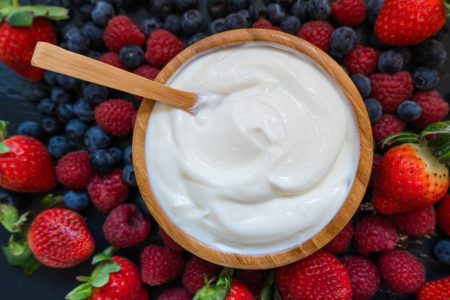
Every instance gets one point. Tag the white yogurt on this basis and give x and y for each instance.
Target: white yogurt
(266, 169)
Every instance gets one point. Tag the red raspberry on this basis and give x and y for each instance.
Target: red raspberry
(375, 168)
(108, 191)
(113, 59)
(121, 32)
(115, 117)
(195, 271)
(435, 290)
(74, 170)
(160, 265)
(169, 242)
(401, 271)
(264, 24)
(176, 293)
(253, 279)
(341, 242)
(362, 60)
(374, 233)
(434, 108)
(443, 215)
(348, 12)
(162, 46)
(387, 125)
(125, 226)
(147, 71)
(415, 223)
(317, 33)
(142, 294)
(364, 277)
(391, 90)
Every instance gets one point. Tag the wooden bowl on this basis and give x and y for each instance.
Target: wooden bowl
(342, 217)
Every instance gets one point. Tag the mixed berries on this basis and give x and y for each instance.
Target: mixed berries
(80, 149)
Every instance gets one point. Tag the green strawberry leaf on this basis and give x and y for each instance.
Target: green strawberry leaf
(51, 12)
(22, 18)
(269, 285)
(18, 254)
(400, 138)
(8, 217)
(4, 148)
(84, 278)
(81, 292)
(50, 200)
(3, 130)
(100, 276)
(220, 290)
(277, 295)
(103, 256)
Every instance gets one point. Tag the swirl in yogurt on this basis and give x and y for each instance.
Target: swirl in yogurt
(268, 167)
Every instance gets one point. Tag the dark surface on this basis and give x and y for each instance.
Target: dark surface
(52, 284)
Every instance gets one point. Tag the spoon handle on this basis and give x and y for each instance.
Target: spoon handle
(56, 59)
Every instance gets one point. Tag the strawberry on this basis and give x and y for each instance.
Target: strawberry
(413, 175)
(25, 165)
(435, 290)
(113, 278)
(403, 22)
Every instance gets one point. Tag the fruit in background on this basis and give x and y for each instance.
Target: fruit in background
(443, 215)
(434, 107)
(176, 293)
(435, 290)
(341, 242)
(317, 33)
(364, 276)
(108, 191)
(418, 222)
(159, 265)
(195, 271)
(373, 234)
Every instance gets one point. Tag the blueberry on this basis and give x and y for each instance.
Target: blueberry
(50, 77)
(95, 94)
(218, 8)
(11, 198)
(373, 8)
(425, 78)
(150, 24)
(85, 11)
(275, 13)
(128, 155)
(374, 109)
(191, 21)
(390, 62)
(122, 3)
(318, 9)
(58, 146)
(95, 138)
(336, 55)
(64, 112)
(102, 161)
(237, 5)
(117, 154)
(196, 37)
(299, 9)
(30, 128)
(96, 1)
(217, 26)
(67, 82)
(286, 3)
(59, 95)
(76, 200)
(132, 56)
(409, 111)
(363, 84)
(75, 129)
(94, 33)
(430, 53)
(235, 21)
(257, 9)
(442, 251)
(102, 13)
(343, 40)
(128, 175)
(143, 207)
(77, 41)
(246, 14)
(83, 110)
(161, 8)
(35, 93)
(172, 24)
(94, 54)
(290, 24)
(50, 126)
(183, 5)
(46, 107)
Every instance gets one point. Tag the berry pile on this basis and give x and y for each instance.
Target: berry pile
(80, 149)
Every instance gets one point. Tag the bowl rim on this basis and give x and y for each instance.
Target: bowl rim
(344, 214)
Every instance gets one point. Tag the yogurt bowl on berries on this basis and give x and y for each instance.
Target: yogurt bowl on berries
(270, 174)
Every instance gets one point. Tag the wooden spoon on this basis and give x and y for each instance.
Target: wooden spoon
(56, 59)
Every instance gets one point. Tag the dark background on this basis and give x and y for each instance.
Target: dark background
(52, 284)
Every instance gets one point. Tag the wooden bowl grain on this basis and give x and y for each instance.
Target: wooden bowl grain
(356, 193)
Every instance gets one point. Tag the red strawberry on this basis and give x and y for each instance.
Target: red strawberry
(108, 191)
(373, 234)
(362, 60)
(364, 276)
(238, 291)
(169, 242)
(121, 32)
(74, 170)
(319, 276)
(434, 108)
(225, 288)
(317, 33)
(443, 215)
(403, 22)
(386, 126)
(162, 46)
(177, 293)
(415, 223)
(160, 265)
(348, 12)
(391, 90)
(195, 271)
(25, 165)
(113, 59)
(115, 117)
(147, 71)
(59, 238)
(435, 290)
(341, 242)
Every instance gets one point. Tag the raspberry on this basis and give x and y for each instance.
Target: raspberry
(401, 271)
(160, 265)
(108, 191)
(391, 90)
(341, 242)
(121, 32)
(364, 277)
(387, 125)
(375, 168)
(264, 24)
(147, 71)
(434, 108)
(253, 279)
(162, 46)
(113, 59)
(317, 33)
(415, 223)
(374, 233)
(195, 271)
(169, 242)
(125, 226)
(176, 293)
(443, 215)
(435, 290)
(115, 117)
(74, 171)
(362, 60)
(348, 12)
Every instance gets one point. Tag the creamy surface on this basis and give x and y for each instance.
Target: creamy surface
(268, 167)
